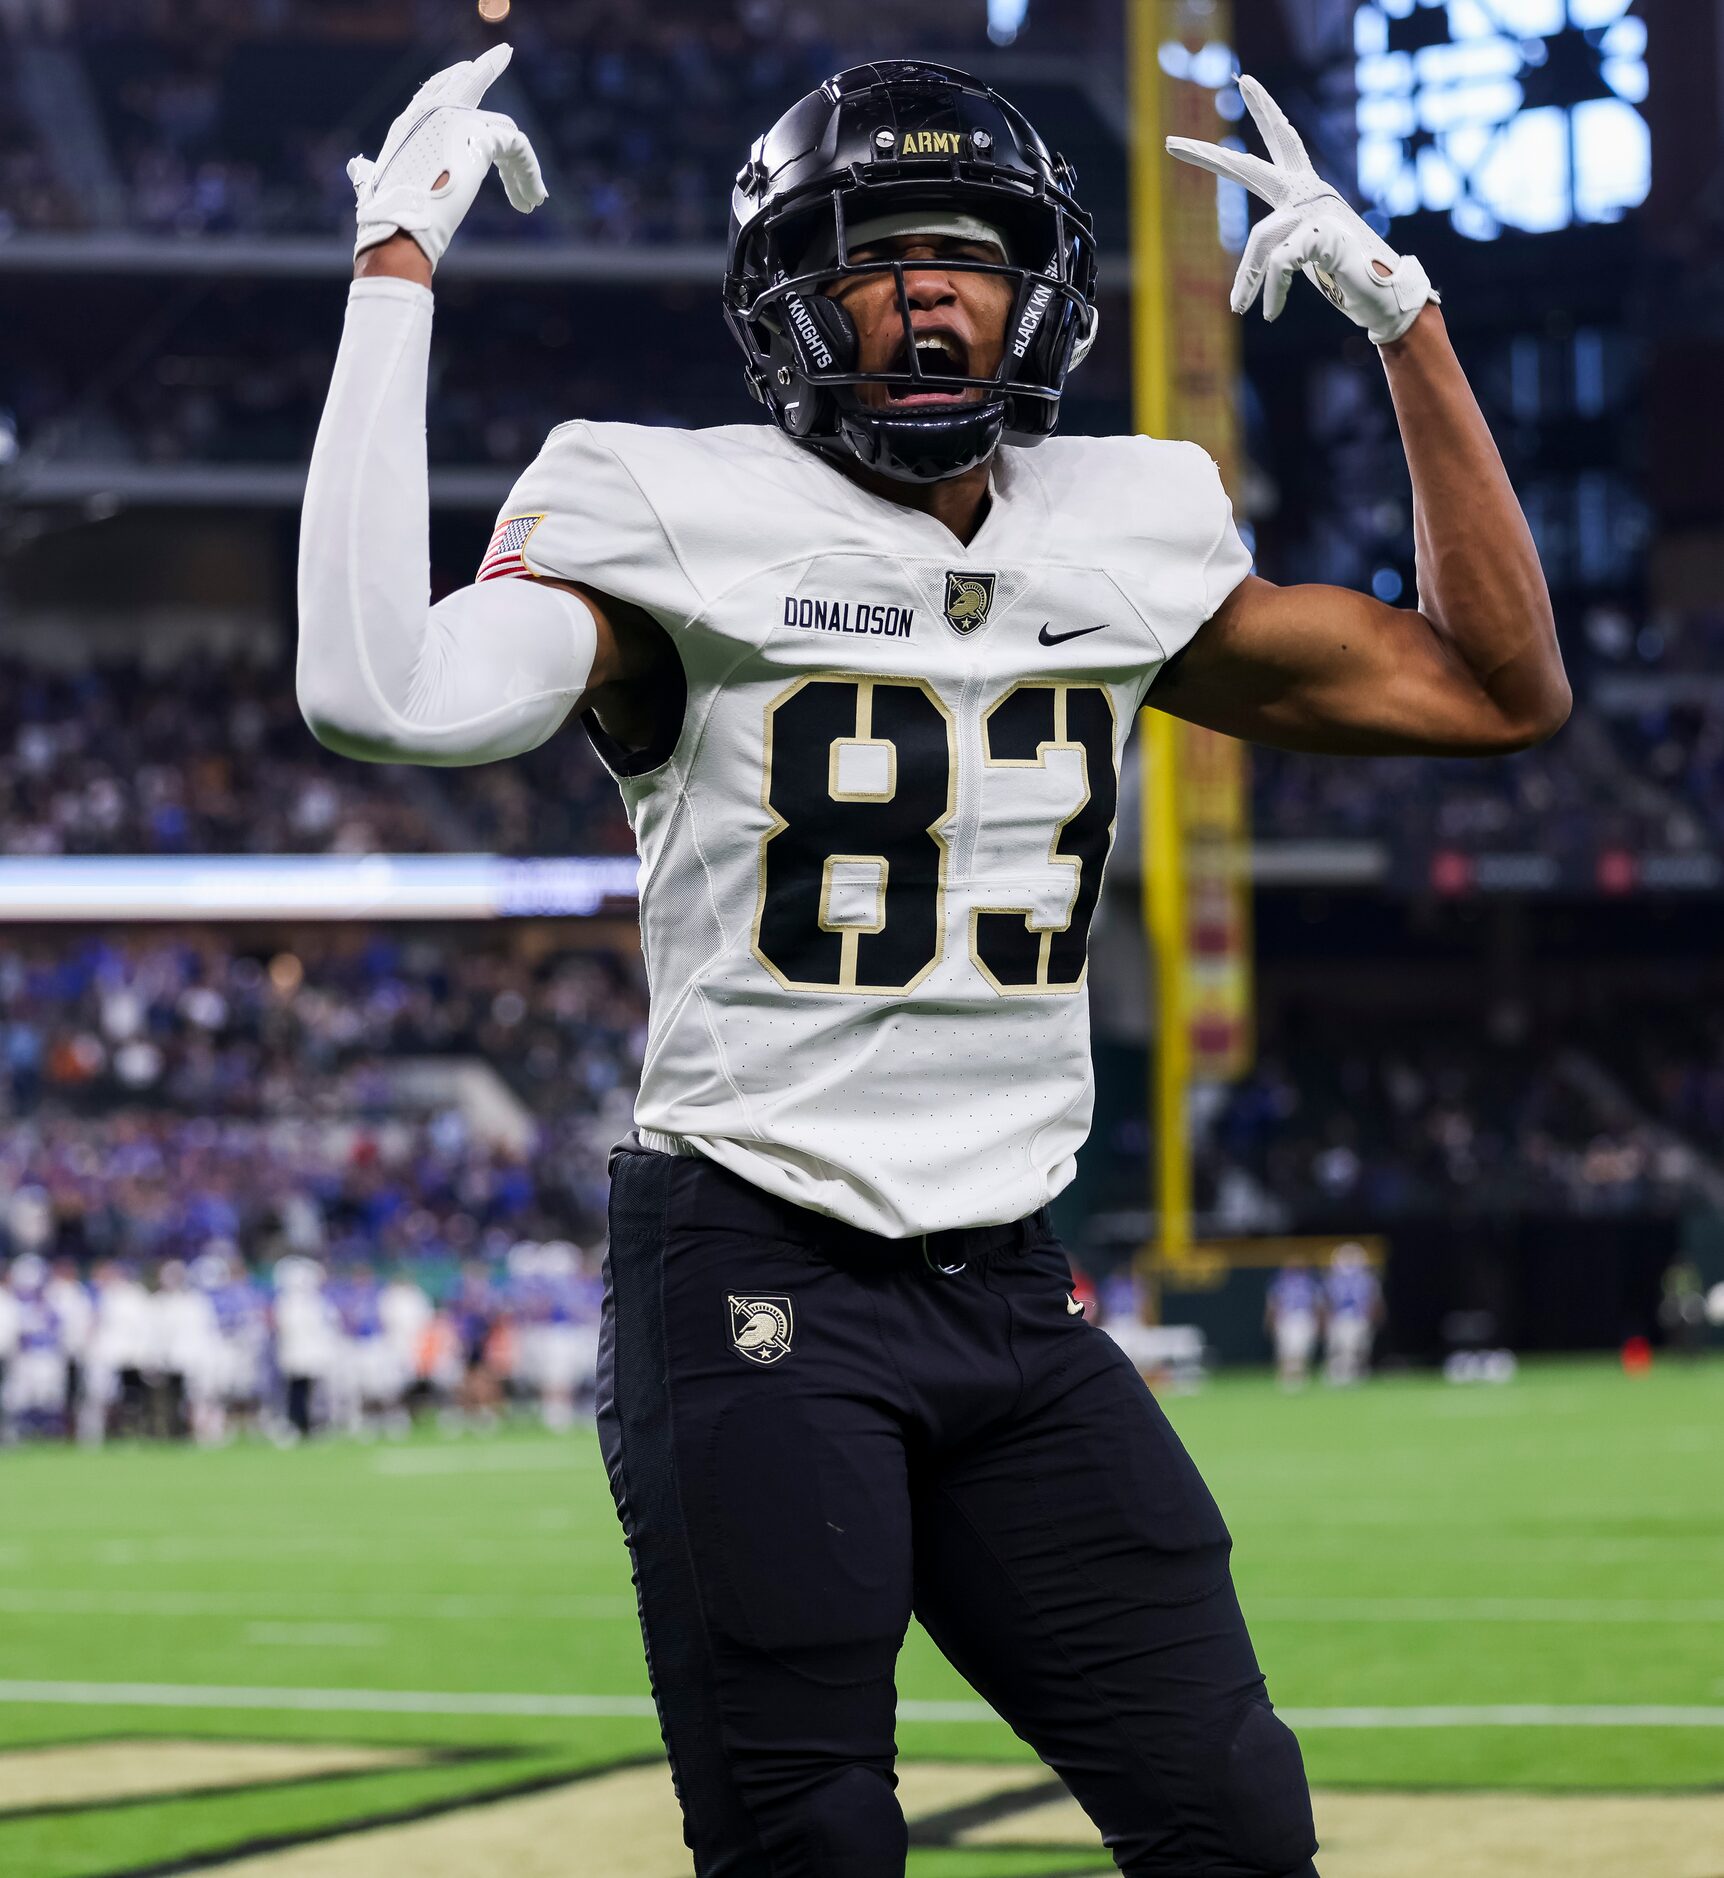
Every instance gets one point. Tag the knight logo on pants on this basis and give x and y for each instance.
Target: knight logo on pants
(760, 1328)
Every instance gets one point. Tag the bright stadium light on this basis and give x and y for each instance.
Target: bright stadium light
(1006, 20)
(1502, 113)
(1214, 67)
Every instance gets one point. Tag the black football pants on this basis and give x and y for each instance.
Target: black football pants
(811, 1433)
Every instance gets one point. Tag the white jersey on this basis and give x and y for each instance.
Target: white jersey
(871, 857)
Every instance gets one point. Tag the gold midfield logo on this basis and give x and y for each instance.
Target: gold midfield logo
(494, 1809)
(930, 143)
(968, 598)
(761, 1328)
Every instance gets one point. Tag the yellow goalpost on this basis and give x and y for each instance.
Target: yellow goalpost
(1195, 803)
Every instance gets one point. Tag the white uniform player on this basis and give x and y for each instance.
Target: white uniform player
(406, 1314)
(307, 1341)
(189, 1356)
(864, 675)
(121, 1351)
(70, 1300)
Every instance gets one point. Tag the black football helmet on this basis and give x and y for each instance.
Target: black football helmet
(887, 140)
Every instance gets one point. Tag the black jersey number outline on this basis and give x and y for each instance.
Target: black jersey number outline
(890, 823)
(893, 833)
(1017, 733)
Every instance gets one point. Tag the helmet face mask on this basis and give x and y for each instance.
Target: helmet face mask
(929, 139)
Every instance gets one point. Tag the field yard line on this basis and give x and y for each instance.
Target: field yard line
(1521, 1715)
(613, 1707)
(321, 1701)
(289, 1605)
(1489, 1610)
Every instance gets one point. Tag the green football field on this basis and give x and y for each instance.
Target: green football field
(1495, 1611)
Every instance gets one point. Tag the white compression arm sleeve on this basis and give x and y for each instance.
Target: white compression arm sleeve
(384, 675)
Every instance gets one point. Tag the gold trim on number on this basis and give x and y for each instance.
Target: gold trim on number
(863, 733)
(1059, 741)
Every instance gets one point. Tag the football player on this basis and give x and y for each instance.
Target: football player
(188, 1358)
(121, 1355)
(69, 1299)
(307, 1344)
(33, 1393)
(1352, 1310)
(406, 1313)
(864, 672)
(1292, 1312)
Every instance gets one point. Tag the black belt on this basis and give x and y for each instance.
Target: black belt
(749, 1208)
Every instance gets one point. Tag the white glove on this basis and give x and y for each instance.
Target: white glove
(1310, 229)
(443, 134)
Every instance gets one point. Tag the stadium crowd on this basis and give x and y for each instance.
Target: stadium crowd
(210, 755)
(206, 1157)
(206, 1023)
(1425, 1122)
(1558, 800)
(240, 118)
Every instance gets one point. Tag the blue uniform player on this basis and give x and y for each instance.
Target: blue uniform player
(1353, 1305)
(1292, 1315)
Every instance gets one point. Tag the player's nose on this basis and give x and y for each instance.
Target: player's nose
(928, 284)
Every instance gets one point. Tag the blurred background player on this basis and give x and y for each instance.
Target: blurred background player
(33, 1397)
(70, 1301)
(367, 1385)
(307, 1339)
(242, 1328)
(1352, 1309)
(11, 1323)
(1292, 1317)
(188, 1359)
(406, 1315)
(121, 1351)
(558, 1334)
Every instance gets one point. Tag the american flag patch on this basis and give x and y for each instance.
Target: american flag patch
(506, 555)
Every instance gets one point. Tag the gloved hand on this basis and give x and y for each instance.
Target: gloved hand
(435, 157)
(1310, 229)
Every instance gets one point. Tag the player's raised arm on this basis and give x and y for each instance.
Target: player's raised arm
(1475, 669)
(383, 675)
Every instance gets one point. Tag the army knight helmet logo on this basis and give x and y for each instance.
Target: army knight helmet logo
(968, 598)
(761, 1328)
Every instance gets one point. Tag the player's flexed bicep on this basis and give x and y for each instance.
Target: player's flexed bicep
(1475, 669)
(383, 675)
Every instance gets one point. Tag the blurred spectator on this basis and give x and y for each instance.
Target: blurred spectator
(211, 756)
(240, 119)
(1428, 1119)
(189, 1089)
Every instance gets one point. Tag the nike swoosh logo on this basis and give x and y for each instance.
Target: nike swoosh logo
(1073, 1308)
(1058, 639)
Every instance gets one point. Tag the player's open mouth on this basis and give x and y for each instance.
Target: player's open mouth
(939, 354)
